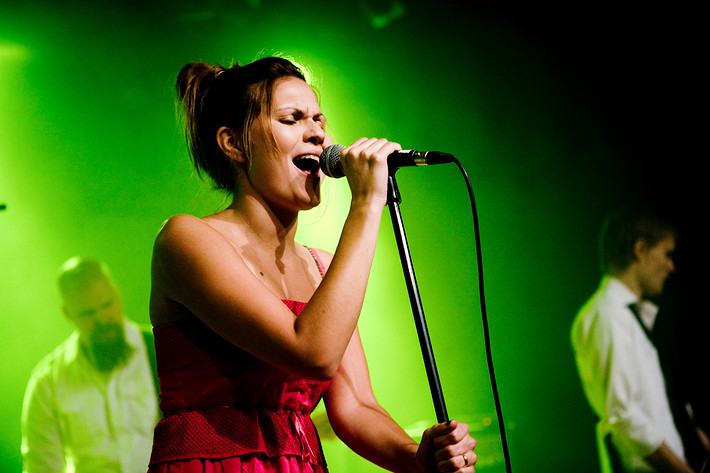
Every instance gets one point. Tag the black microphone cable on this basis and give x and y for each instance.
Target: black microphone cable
(330, 164)
(484, 315)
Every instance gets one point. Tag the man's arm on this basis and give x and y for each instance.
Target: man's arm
(665, 461)
(42, 449)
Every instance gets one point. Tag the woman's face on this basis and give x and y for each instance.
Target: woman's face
(286, 145)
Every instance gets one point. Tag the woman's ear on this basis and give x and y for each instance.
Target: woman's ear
(228, 142)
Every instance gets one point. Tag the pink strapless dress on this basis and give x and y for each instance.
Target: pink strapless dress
(227, 411)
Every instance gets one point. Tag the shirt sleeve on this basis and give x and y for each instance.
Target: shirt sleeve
(42, 449)
(627, 387)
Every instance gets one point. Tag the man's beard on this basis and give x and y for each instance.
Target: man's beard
(108, 349)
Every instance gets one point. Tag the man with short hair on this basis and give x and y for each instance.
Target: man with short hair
(614, 350)
(91, 404)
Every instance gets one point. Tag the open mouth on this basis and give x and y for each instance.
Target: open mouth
(308, 163)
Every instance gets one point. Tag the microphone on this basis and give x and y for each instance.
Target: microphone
(331, 166)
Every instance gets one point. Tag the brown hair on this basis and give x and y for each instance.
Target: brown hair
(216, 96)
(623, 228)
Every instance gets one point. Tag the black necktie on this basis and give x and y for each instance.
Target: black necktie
(634, 307)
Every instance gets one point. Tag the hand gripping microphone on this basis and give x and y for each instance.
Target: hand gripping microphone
(331, 166)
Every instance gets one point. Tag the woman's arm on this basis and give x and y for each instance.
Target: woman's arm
(359, 420)
(197, 270)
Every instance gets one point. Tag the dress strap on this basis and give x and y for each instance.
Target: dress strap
(316, 258)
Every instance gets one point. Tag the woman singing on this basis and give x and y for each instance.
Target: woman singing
(251, 328)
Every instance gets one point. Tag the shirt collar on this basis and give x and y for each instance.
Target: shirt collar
(647, 312)
(646, 309)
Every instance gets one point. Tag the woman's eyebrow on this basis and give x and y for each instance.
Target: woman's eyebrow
(296, 111)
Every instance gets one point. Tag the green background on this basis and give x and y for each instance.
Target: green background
(559, 114)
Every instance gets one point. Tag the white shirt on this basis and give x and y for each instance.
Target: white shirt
(76, 417)
(621, 375)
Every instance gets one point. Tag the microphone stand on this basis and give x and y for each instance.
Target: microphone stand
(393, 201)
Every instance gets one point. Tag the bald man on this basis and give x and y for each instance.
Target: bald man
(91, 404)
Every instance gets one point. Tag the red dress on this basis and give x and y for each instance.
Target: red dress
(227, 411)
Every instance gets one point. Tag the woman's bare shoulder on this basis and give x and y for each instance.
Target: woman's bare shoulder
(186, 242)
(181, 222)
(183, 229)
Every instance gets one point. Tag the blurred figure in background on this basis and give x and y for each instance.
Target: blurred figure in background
(615, 350)
(91, 404)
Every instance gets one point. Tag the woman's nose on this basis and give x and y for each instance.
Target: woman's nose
(315, 133)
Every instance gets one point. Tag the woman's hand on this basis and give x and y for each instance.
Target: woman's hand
(365, 165)
(447, 447)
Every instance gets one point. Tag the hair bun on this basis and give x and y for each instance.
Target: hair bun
(212, 96)
(196, 76)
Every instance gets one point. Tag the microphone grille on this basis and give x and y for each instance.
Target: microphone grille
(330, 161)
